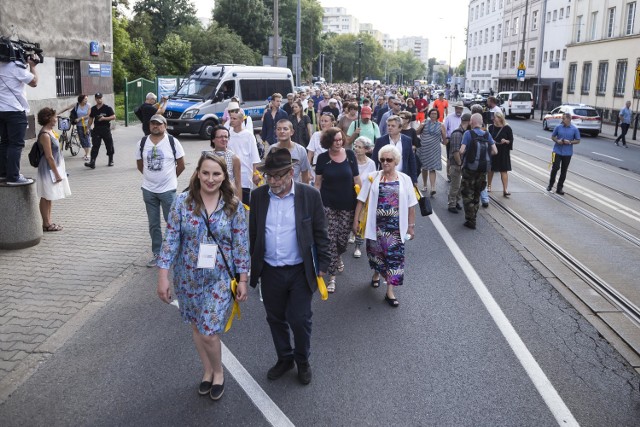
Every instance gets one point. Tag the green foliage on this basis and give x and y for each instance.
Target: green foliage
(166, 16)
(461, 70)
(174, 56)
(138, 61)
(121, 48)
(342, 51)
(250, 19)
(140, 27)
(218, 44)
(119, 105)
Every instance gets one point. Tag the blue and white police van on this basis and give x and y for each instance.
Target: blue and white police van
(199, 103)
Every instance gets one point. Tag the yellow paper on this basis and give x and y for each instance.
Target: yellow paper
(357, 188)
(235, 311)
(322, 288)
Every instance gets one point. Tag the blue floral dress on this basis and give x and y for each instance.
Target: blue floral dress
(386, 253)
(204, 295)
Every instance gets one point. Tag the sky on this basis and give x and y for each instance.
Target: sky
(400, 18)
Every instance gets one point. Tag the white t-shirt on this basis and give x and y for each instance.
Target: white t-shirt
(243, 144)
(398, 145)
(159, 166)
(366, 169)
(13, 96)
(315, 147)
(248, 125)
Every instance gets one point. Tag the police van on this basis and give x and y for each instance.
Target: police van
(199, 103)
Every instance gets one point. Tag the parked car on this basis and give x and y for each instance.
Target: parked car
(467, 99)
(584, 117)
(515, 103)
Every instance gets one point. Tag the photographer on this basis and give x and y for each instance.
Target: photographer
(101, 116)
(150, 108)
(13, 117)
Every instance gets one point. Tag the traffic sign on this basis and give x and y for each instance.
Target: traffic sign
(521, 66)
(521, 74)
(637, 84)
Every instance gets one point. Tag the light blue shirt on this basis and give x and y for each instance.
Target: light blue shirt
(625, 115)
(565, 132)
(281, 243)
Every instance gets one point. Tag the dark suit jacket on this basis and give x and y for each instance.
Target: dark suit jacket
(408, 156)
(311, 228)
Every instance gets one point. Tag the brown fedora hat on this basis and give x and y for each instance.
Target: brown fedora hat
(278, 159)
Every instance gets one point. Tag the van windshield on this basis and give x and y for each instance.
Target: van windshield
(198, 88)
(521, 96)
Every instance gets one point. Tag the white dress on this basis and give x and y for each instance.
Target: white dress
(45, 186)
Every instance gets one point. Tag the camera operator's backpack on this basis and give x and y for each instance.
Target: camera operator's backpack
(36, 152)
(138, 112)
(477, 156)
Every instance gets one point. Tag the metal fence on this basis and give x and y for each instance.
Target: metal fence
(136, 91)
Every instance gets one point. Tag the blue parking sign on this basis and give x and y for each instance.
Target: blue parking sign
(521, 74)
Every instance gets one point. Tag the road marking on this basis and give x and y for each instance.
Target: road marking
(258, 396)
(549, 394)
(544, 137)
(604, 155)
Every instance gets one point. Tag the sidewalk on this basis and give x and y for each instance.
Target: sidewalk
(49, 290)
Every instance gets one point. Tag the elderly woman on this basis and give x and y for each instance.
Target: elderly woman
(390, 220)
(336, 174)
(432, 135)
(363, 147)
(503, 136)
(207, 214)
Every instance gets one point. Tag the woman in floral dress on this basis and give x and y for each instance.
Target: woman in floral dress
(390, 220)
(203, 290)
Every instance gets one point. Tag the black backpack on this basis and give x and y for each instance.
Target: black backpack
(73, 116)
(171, 141)
(36, 152)
(477, 156)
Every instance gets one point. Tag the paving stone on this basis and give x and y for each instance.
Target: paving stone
(29, 347)
(7, 366)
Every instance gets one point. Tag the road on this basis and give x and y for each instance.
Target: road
(486, 333)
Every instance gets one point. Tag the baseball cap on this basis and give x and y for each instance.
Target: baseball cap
(98, 95)
(158, 118)
(365, 112)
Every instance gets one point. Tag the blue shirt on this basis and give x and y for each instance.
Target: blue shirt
(565, 132)
(281, 243)
(625, 115)
(466, 138)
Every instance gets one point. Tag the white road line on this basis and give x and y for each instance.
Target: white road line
(544, 137)
(604, 155)
(260, 398)
(556, 405)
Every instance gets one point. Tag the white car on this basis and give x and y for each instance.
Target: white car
(584, 117)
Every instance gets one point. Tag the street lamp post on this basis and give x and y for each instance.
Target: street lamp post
(359, 44)
(450, 73)
(298, 47)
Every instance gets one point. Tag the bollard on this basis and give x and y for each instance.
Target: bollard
(635, 127)
(615, 131)
(20, 221)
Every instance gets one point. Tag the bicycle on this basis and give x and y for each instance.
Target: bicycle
(68, 142)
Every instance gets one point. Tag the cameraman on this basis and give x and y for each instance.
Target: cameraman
(13, 117)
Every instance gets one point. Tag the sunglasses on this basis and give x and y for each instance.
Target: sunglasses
(385, 160)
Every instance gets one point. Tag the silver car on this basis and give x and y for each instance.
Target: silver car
(584, 117)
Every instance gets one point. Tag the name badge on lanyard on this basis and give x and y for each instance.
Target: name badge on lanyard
(207, 255)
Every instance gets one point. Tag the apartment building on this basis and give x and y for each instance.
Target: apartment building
(419, 46)
(367, 28)
(484, 41)
(603, 54)
(389, 44)
(337, 20)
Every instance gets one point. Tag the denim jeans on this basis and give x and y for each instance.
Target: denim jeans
(13, 126)
(153, 203)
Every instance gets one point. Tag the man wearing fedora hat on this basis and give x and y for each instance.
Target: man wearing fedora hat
(282, 250)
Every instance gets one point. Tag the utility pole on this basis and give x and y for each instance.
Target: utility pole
(359, 44)
(524, 33)
(541, 48)
(276, 30)
(450, 46)
(298, 48)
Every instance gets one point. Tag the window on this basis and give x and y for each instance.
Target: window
(501, 3)
(506, 27)
(555, 15)
(260, 89)
(544, 57)
(493, 30)
(631, 16)
(548, 16)
(561, 14)
(477, 12)
(487, 7)
(474, 65)
(571, 86)
(497, 61)
(515, 26)
(586, 78)
(67, 77)
(504, 60)
(484, 62)
(594, 25)
(493, 5)
(486, 35)
(603, 70)
(558, 55)
(532, 57)
(490, 62)
(499, 32)
(611, 21)
(551, 55)
(481, 9)
(568, 8)
(469, 65)
(534, 20)
(564, 54)
(513, 59)
(578, 28)
(621, 76)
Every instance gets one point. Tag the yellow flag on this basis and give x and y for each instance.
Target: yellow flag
(322, 288)
(235, 311)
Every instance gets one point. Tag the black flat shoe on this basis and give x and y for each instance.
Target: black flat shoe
(204, 388)
(470, 225)
(560, 192)
(217, 390)
(391, 301)
(453, 210)
(375, 283)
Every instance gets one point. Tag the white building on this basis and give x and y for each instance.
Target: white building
(336, 20)
(484, 40)
(368, 29)
(603, 55)
(389, 44)
(419, 46)
(556, 25)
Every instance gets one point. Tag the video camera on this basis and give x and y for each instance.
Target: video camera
(19, 51)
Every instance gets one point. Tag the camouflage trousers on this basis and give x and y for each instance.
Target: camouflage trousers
(472, 184)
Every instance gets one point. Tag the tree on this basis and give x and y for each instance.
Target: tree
(140, 27)
(166, 16)
(174, 56)
(430, 64)
(462, 68)
(250, 19)
(121, 48)
(218, 44)
(342, 51)
(138, 61)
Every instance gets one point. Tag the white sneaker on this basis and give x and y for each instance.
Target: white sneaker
(357, 253)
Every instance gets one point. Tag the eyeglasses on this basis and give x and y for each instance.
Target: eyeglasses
(275, 176)
(385, 160)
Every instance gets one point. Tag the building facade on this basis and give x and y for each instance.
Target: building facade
(484, 41)
(603, 55)
(78, 58)
(337, 20)
(419, 46)
(368, 29)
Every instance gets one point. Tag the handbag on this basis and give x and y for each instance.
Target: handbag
(235, 311)
(424, 203)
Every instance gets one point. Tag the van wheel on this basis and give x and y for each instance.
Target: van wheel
(206, 129)
(595, 133)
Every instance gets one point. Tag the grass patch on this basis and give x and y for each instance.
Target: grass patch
(119, 107)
